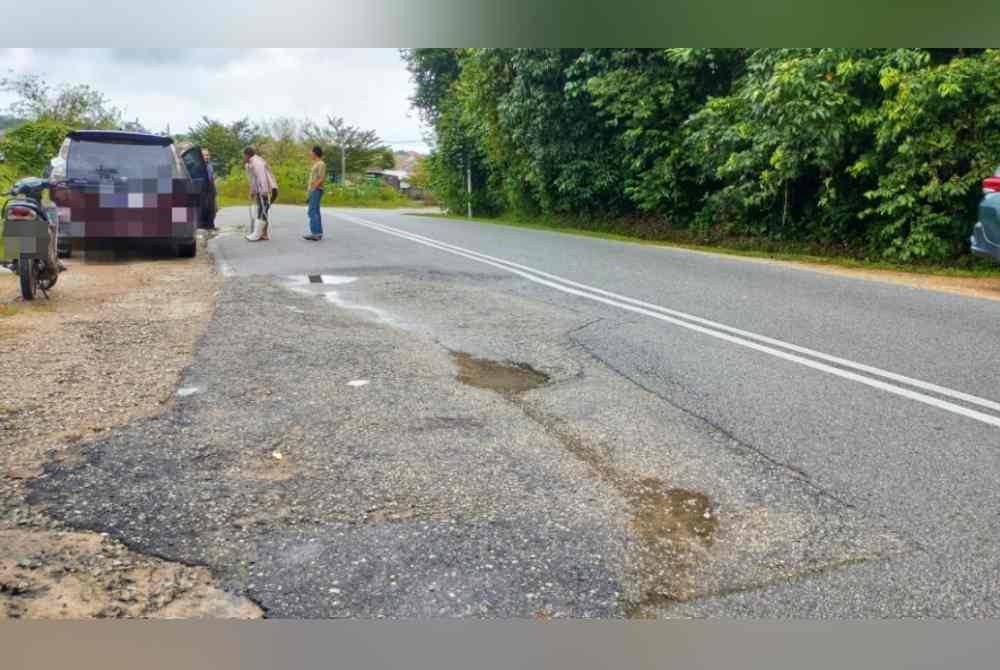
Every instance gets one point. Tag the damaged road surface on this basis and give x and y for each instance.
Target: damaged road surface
(431, 418)
(105, 349)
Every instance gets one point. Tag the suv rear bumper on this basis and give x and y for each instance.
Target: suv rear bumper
(982, 246)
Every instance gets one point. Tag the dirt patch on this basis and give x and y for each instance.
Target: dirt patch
(509, 379)
(53, 575)
(108, 346)
(972, 287)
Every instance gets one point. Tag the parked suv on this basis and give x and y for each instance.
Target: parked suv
(986, 234)
(116, 187)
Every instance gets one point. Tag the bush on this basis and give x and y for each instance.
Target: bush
(937, 136)
(28, 148)
(293, 177)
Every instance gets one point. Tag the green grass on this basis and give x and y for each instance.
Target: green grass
(232, 193)
(363, 203)
(968, 267)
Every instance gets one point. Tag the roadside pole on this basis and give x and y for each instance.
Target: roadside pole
(343, 164)
(468, 185)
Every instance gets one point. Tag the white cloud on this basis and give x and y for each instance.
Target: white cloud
(368, 87)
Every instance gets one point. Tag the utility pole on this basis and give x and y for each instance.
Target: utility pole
(343, 164)
(468, 183)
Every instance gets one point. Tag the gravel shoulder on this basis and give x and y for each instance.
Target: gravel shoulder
(106, 348)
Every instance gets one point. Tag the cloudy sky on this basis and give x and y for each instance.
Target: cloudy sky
(368, 87)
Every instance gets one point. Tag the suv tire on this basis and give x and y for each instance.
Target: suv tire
(187, 249)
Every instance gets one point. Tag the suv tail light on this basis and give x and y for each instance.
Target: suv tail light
(21, 213)
(991, 184)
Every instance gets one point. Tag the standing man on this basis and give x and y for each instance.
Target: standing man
(208, 164)
(208, 215)
(317, 176)
(263, 190)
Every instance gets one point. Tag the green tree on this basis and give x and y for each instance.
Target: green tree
(433, 72)
(225, 141)
(282, 140)
(874, 151)
(645, 96)
(28, 148)
(937, 134)
(359, 148)
(79, 105)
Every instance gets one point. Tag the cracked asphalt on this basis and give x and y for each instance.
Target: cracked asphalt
(658, 472)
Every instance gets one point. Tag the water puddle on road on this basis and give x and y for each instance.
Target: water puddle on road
(508, 379)
(673, 515)
(675, 528)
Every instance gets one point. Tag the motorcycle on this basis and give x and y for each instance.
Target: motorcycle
(29, 232)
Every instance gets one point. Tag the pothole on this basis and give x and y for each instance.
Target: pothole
(509, 379)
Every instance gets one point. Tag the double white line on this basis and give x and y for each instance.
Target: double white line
(817, 360)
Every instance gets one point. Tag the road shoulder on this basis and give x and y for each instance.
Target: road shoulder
(107, 347)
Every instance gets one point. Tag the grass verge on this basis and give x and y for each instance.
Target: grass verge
(969, 267)
(230, 201)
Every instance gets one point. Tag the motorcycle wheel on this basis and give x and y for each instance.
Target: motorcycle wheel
(28, 271)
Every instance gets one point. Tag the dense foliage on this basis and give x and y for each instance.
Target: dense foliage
(877, 152)
(292, 180)
(225, 141)
(27, 148)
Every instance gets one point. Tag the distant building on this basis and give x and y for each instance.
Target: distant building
(398, 179)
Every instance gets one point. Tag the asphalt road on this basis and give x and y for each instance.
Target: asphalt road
(716, 436)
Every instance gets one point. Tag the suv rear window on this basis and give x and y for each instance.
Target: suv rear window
(121, 160)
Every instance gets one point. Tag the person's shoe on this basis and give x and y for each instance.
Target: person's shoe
(311, 238)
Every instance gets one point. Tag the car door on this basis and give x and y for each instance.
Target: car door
(198, 170)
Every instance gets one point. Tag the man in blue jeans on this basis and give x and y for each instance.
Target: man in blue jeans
(317, 176)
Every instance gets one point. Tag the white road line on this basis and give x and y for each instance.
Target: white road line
(916, 383)
(712, 329)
